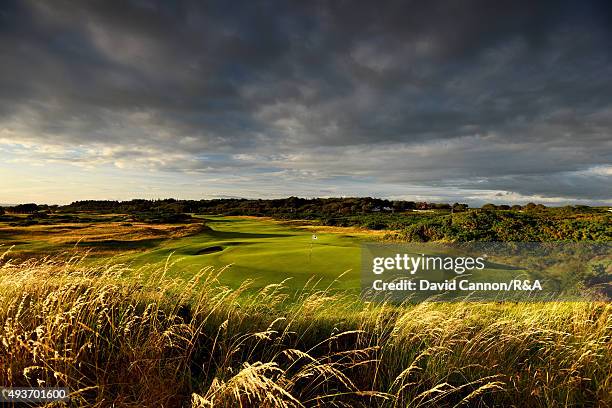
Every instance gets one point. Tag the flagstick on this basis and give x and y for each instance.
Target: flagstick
(310, 253)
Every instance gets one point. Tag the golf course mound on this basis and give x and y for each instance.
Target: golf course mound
(209, 250)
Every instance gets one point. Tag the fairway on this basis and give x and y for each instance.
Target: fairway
(260, 250)
(264, 251)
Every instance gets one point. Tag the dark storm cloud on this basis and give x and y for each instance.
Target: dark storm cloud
(513, 96)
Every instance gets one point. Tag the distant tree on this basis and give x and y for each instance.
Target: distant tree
(489, 206)
(25, 208)
(516, 207)
(398, 205)
(440, 206)
(459, 207)
(2, 211)
(503, 207)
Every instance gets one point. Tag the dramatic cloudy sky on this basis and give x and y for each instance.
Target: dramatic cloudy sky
(473, 101)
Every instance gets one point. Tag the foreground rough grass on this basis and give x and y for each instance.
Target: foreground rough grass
(115, 338)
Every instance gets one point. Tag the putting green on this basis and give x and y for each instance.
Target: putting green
(264, 251)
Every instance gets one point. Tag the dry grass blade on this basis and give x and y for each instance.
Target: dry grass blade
(138, 337)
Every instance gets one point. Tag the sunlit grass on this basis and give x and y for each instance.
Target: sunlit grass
(113, 334)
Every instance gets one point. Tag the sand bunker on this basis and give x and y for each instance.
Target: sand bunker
(209, 250)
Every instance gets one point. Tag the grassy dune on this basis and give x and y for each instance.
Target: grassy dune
(102, 238)
(142, 337)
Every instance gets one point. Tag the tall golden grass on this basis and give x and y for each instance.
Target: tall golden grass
(124, 337)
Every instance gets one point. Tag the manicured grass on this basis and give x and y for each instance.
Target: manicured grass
(262, 250)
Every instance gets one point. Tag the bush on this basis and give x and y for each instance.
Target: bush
(486, 225)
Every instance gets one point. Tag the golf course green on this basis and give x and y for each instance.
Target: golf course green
(263, 251)
(267, 252)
